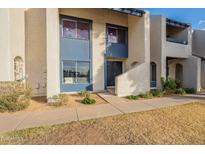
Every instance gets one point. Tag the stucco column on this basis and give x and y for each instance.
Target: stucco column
(98, 51)
(53, 52)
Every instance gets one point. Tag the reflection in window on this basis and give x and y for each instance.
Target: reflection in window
(83, 30)
(121, 36)
(83, 72)
(69, 72)
(117, 35)
(76, 72)
(76, 29)
(112, 35)
(69, 28)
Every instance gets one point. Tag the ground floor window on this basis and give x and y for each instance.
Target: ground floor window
(75, 72)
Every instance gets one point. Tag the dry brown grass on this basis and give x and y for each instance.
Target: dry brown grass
(173, 125)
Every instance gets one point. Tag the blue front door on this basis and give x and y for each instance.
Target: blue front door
(114, 68)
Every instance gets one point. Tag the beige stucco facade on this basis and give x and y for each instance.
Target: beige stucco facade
(136, 78)
(35, 38)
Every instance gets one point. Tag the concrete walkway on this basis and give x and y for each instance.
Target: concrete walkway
(116, 106)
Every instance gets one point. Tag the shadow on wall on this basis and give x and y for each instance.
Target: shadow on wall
(98, 61)
(134, 81)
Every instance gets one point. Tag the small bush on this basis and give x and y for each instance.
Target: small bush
(133, 97)
(88, 100)
(13, 102)
(83, 93)
(146, 95)
(190, 90)
(59, 100)
(169, 84)
(180, 91)
(157, 93)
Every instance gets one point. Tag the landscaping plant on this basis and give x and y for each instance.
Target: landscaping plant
(180, 91)
(157, 93)
(83, 93)
(190, 90)
(59, 100)
(88, 100)
(133, 97)
(16, 99)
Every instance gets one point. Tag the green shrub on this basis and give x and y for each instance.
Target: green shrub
(59, 100)
(169, 84)
(88, 100)
(133, 97)
(147, 95)
(190, 90)
(83, 93)
(157, 93)
(180, 91)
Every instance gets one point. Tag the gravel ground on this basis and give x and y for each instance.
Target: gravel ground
(183, 124)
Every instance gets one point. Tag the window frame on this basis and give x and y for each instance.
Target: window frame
(76, 20)
(117, 28)
(76, 66)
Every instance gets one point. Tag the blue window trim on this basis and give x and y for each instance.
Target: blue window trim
(77, 86)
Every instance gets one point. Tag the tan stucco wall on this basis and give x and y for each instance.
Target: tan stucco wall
(161, 49)
(36, 50)
(156, 46)
(191, 71)
(198, 43)
(12, 35)
(136, 79)
(4, 46)
(97, 15)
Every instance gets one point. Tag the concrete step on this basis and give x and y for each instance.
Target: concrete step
(111, 90)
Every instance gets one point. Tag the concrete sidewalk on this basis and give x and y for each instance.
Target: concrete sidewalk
(116, 106)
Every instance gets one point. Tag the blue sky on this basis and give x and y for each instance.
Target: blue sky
(194, 16)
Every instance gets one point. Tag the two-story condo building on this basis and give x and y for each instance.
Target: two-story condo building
(198, 50)
(171, 53)
(69, 50)
(125, 51)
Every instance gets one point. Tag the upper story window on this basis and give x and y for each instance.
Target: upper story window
(117, 35)
(76, 29)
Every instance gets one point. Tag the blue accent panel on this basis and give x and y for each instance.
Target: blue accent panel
(75, 49)
(117, 50)
(76, 87)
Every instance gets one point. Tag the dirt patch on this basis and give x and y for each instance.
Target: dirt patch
(40, 103)
(75, 100)
(184, 124)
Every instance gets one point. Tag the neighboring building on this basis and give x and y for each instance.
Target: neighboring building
(198, 50)
(171, 53)
(68, 50)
